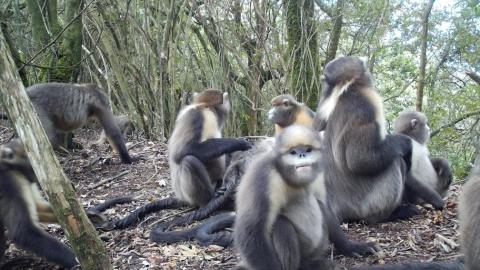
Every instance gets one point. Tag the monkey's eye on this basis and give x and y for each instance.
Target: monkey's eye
(293, 152)
(286, 102)
(309, 149)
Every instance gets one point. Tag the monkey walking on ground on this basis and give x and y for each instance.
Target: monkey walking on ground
(434, 174)
(65, 107)
(196, 155)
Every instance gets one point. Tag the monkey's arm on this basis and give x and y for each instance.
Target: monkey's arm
(415, 188)
(344, 245)
(253, 238)
(367, 154)
(24, 233)
(214, 148)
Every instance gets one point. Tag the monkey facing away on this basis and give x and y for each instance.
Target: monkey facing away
(196, 147)
(365, 168)
(286, 110)
(279, 223)
(435, 174)
(22, 207)
(65, 107)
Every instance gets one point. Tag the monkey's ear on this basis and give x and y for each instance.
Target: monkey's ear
(286, 102)
(413, 123)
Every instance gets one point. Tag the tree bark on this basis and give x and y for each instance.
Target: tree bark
(69, 212)
(303, 51)
(423, 55)
(70, 49)
(336, 32)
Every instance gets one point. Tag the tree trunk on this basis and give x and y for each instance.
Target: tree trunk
(69, 212)
(336, 32)
(303, 51)
(70, 49)
(423, 55)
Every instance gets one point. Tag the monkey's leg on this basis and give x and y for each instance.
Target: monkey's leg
(344, 245)
(214, 148)
(107, 121)
(419, 190)
(285, 243)
(48, 126)
(45, 213)
(196, 186)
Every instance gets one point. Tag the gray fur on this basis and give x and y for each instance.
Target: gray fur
(273, 227)
(364, 167)
(469, 210)
(196, 149)
(64, 107)
(432, 173)
(123, 123)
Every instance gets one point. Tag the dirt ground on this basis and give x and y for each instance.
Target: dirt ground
(432, 236)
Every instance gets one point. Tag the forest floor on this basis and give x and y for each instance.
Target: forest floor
(431, 236)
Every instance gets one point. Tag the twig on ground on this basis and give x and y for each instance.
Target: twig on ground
(108, 180)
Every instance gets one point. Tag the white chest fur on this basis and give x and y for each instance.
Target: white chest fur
(210, 125)
(422, 168)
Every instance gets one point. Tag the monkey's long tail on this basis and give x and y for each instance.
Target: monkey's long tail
(140, 213)
(450, 265)
(109, 203)
(219, 202)
(206, 233)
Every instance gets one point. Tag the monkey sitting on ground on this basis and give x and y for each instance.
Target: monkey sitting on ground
(65, 107)
(123, 123)
(196, 148)
(285, 111)
(433, 174)
(196, 155)
(22, 207)
(279, 223)
(365, 168)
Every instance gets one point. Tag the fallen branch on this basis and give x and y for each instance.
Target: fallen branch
(108, 180)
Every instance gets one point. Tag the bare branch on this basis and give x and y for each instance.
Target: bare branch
(474, 76)
(455, 121)
(324, 8)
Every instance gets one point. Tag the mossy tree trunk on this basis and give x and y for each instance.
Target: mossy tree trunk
(80, 232)
(62, 59)
(303, 78)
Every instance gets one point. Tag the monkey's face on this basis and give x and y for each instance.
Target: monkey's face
(299, 165)
(283, 111)
(13, 153)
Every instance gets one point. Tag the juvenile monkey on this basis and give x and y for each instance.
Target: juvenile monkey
(433, 173)
(22, 207)
(286, 111)
(279, 223)
(123, 123)
(65, 107)
(196, 147)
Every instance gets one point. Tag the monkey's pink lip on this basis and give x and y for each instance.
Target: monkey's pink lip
(303, 167)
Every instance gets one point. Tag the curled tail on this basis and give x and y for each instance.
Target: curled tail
(206, 233)
(140, 213)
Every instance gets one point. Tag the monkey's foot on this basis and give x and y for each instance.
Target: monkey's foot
(358, 249)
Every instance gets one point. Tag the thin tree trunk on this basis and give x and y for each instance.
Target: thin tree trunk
(336, 32)
(82, 236)
(423, 55)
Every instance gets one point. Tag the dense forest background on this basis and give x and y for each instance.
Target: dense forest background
(150, 56)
